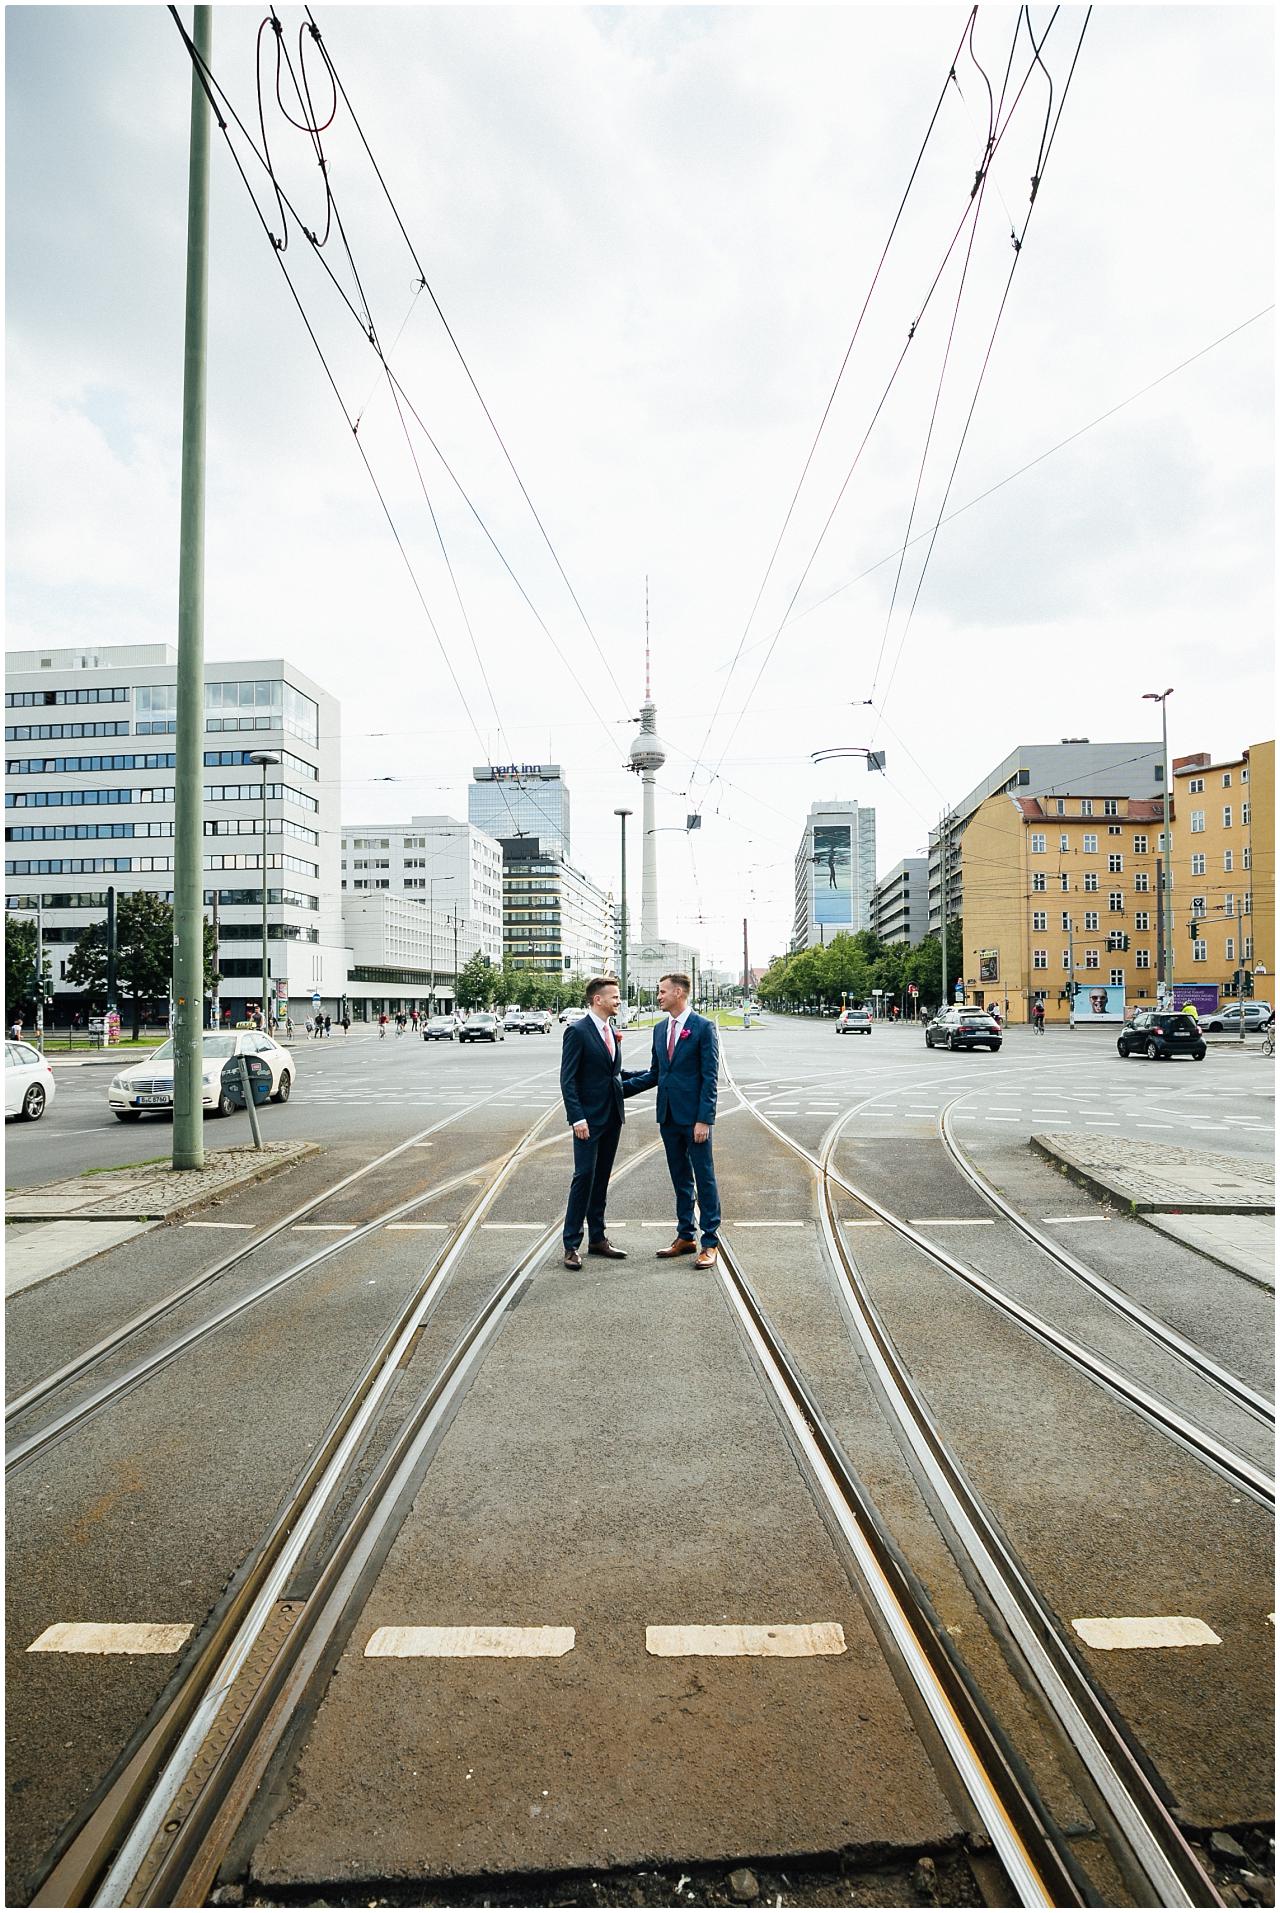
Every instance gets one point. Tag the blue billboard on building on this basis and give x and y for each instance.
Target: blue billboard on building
(833, 874)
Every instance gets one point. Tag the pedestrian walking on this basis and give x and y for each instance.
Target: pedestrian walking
(346, 1021)
(591, 1083)
(684, 1068)
(382, 1026)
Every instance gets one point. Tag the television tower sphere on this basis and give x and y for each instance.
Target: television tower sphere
(647, 753)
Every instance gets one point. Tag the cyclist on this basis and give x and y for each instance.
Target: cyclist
(1037, 1015)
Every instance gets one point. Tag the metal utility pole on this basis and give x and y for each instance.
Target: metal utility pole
(39, 970)
(623, 815)
(111, 948)
(215, 1017)
(188, 829)
(746, 964)
(264, 758)
(1246, 806)
(942, 904)
(1166, 974)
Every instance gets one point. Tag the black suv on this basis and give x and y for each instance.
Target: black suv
(1157, 1033)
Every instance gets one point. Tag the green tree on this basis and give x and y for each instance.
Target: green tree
(20, 969)
(144, 954)
(476, 984)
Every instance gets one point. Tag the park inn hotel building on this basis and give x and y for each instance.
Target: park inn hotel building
(1062, 886)
(89, 802)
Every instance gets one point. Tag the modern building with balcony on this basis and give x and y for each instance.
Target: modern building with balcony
(900, 903)
(453, 867)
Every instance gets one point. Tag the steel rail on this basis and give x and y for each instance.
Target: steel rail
(1032, 1850)
(115, 1836)
(1148, 1844)
(1196, 1358)
(115, 1846)
(40, 1391)
(1238, 1470)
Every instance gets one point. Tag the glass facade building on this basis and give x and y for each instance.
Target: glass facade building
(521, 800)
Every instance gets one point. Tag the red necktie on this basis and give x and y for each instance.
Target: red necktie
(671, 1039)
(608, 1039)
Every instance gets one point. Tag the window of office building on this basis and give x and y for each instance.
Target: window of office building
(1037, 843)
(1140, 844)
(1227, 860)
(1039, 920)
(1199, 951)
(1091, 880)
(1111, 806)
(1230, 950)
(1142, 959)
(1196, 785)
(1038, 880)
(1115, 861)
(1090, 843)
(1142, 919)
(1086, 807)
(1115, 900)
(1090, 919)
(1039, 959)
(1092, 960)
(1197, 822)
(1226, 816)
(1117, 976)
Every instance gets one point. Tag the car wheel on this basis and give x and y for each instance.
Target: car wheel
(1199, 1053)
(33, 1104)
(224, 1105)
(127, 1115)
(993, 1047)
(286, 1084)
(1122, 1049)
(951, 1043)
(1153, 1050)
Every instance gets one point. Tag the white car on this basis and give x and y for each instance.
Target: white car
(28, 1082)
(574, 1014)
(147, 1087)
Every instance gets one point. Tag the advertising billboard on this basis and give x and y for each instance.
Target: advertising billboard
(1099, 1003)
(1203, 995)
(833, 873)
(988, 966)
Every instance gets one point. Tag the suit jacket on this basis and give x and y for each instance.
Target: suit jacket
(687, 1085)
(590, 1081)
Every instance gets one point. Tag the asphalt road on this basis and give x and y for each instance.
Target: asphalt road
(616, 1466)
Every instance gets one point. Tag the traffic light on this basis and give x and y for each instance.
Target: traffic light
(1195, 929)
(1246, 983)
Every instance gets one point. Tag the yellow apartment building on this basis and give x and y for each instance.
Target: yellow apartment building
(1059, 888)
(1224, 869)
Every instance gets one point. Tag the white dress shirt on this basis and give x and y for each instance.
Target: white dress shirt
(607, 1036)
(679, 1022)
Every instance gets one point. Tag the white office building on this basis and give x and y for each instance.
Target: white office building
(89, 804)
(835, 872)
(404, 955)
(455, 869)
(900, 903)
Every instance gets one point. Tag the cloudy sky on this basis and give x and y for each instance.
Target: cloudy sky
(651, 231)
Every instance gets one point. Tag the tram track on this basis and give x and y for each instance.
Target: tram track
(1138, 1826)
(26, 1448)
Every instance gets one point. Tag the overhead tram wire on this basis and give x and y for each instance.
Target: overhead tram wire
(325, 55)
(911, 334)
(1046, 150)
(365, 324)
(826, 412)
(946, 356)
(278, 254)
(1039, 459)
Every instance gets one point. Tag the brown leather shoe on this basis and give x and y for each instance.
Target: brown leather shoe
(605, 1247)
(572, 1260)
(707, 1259)
(681, 1246)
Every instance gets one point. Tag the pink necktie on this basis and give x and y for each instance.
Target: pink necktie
(671, 1039)
(608, 1041)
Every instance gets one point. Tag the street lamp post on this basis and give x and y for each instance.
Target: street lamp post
(622, 816)
(1166, 980)
(431, 938)
(265, 758)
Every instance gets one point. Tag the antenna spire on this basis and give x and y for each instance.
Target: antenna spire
(646, 638)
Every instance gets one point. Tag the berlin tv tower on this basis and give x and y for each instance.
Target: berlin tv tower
(646, 757)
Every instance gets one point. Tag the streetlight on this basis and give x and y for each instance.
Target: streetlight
(1166, 980)
(264, 758)
(431, 938)
(622, 816)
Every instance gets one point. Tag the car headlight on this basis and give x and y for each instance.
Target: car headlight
(118, 1082)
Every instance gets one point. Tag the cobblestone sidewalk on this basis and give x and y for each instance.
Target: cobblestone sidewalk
(150, 1192)
(1146, 1176)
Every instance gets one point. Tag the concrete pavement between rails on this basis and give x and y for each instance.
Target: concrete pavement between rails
(613, 1647)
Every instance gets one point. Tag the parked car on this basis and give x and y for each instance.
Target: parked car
(28, 1082)
(1159, 1033)
(853, 1022)
(962, 1027)
(482, 1027)
(1257, 1016)
(146, 1088)
(439, 1029)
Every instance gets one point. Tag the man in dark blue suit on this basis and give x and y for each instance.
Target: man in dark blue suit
(684, 1069)
(591, 1084)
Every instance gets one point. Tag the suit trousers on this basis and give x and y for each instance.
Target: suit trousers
(691, 1165)
(592, 1167)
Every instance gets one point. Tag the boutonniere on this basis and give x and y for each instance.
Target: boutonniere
(685, 1033)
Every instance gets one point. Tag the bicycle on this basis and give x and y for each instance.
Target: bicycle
(1269, 1041)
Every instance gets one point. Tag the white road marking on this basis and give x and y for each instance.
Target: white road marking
(217, 1225)
(470, 1643)
(857, 1222)
(1075, 1218)
(788, 1642)
(513, 1225)
(952, 1222)
(111, 1637)
(1147, 1630)
(1001, 1119)
(406, 1227)
(768, 1225)
(323, 1227)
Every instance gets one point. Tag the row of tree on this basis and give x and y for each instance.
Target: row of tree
(482, 984)
(851, 968)
(144, 959)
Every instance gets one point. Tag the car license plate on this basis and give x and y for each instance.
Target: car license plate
(152, 1099)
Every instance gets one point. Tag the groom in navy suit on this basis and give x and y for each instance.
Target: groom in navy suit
(591, 1085)
(684, 1068)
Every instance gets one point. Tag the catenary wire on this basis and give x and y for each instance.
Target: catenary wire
(325, 55)
(911, 334)
(826, 413)
(982, 372)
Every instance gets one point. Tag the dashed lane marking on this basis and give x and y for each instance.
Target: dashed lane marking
(787, 1642)
(1075, 1218)
(323, 1228)
(952, 1222)
(416, 1228)
(470, 1643)
(769, 1225)
(111, 1637)
(513, 1225)
(217, 1225)
(1146, 1630)
(860, 1222)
